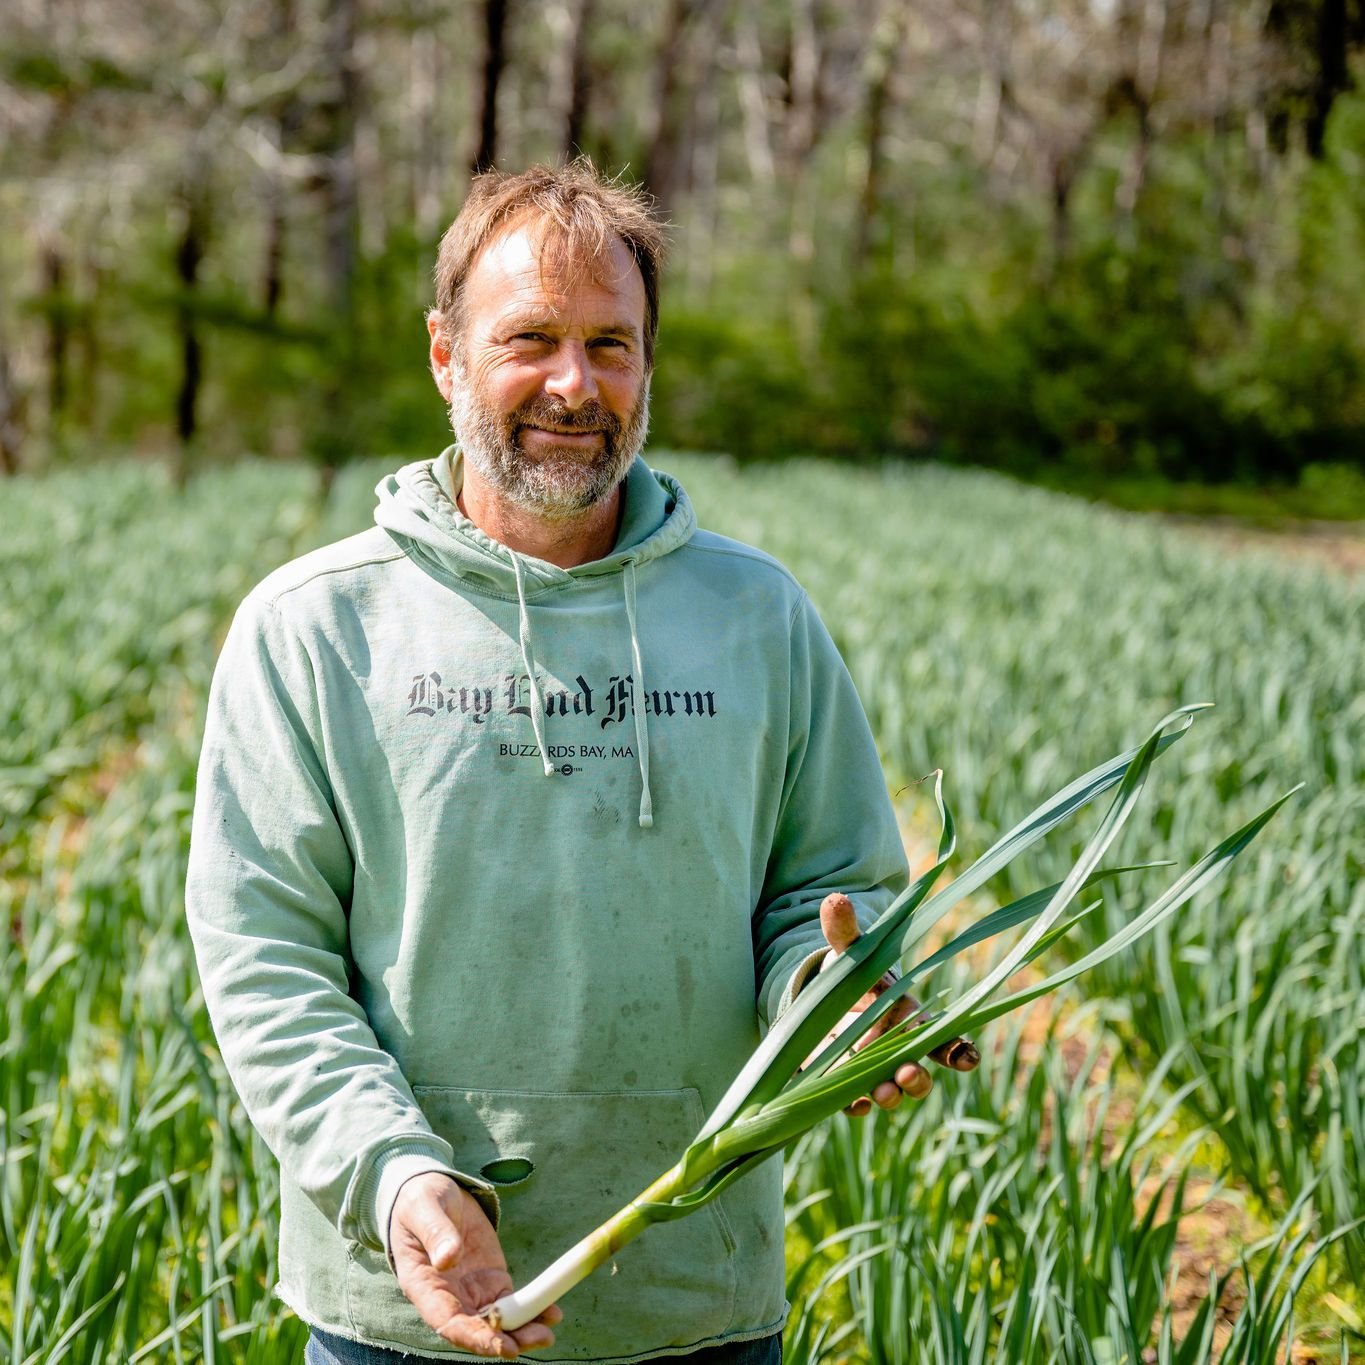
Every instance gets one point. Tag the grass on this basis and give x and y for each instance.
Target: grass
(1000, 632)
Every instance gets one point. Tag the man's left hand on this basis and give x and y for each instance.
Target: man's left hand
(839, 924)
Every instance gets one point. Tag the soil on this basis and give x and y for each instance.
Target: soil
(1325, 543)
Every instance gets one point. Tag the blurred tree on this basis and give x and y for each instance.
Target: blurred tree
(1122, 233)
(194, 214)
(1319, 36)
(12, 415)
(494, 62)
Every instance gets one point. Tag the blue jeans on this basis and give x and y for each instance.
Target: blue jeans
(325, 1349)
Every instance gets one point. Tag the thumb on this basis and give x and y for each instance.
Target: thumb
(838, 922)
(440, 1237)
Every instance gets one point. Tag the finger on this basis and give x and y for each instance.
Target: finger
(888, 1095)
(957, 1054)
(914, 1080)
(533, 1336)
(838, 922)
(477, 1335)
(860, 1107)
(536, 1333)
(899, 1011)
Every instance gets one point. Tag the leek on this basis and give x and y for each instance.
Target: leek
(777, 1095)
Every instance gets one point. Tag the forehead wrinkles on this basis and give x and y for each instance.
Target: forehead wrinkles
(566, 257)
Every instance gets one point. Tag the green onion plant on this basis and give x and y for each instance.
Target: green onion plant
(784, 1091)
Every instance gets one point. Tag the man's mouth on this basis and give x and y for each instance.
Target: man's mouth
(571, 435)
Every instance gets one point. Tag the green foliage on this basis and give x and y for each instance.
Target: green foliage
(1001, 633)
(1160, 350)
(729, 387)
(1049, 626)
(1152, 348)
(1034, 1212)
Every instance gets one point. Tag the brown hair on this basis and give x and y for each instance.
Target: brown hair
(581, 212)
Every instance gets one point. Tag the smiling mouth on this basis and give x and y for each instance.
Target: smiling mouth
(572, 434)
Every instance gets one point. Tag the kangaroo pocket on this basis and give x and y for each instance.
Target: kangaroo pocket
(589, 1154)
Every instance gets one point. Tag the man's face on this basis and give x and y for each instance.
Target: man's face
(547, 385)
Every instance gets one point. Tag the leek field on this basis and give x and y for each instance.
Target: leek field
(1167, 1163)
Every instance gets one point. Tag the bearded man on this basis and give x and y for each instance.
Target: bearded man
(515, 818)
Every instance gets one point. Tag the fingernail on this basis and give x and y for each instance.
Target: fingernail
(965, 1057)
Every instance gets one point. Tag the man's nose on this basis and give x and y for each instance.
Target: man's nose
(571, 378)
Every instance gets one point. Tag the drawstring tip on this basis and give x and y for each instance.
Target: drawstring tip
(646, 822)
(549, 768)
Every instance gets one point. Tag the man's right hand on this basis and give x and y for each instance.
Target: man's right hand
(450, 1265)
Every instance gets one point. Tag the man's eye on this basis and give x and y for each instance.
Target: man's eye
(610, 341)
(530, 336)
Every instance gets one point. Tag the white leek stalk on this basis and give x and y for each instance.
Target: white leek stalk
(777, 1096)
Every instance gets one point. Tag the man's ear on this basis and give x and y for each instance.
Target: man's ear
(440, 353)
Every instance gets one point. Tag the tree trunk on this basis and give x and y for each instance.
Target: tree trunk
(886, 42)
(801, 134)
(283, 124)
(665, 159)
(87, 345)
(580, 78)
(58, 335)
(1331, 77)
(11, 416)
(272, 272)
(1062, 178)
(803, 79)
(340, 207)
(702, 178)
(424, 79)
(189, 254)
(753, 104)
(990, 90)
(340, 190)
(1141, 92)
(494, 60)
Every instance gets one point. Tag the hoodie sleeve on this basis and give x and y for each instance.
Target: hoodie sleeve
(836, 830)
(266, 898)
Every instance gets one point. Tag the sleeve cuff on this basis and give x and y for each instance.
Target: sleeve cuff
(806, 971)
(808, 967)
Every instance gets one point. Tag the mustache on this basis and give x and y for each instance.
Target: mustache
(590, 416)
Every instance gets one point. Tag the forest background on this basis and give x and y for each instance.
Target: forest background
(1102, 243)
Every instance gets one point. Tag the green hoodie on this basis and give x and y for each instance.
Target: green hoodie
(493, 859)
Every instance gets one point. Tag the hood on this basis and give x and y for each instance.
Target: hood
(417, 504)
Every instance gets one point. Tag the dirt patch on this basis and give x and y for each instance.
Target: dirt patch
(1325, 543)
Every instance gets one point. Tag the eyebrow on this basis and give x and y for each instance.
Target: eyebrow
(537, 322)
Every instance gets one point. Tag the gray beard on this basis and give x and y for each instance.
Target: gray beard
(560, 484)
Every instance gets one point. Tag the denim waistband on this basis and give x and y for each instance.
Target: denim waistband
(325, 1349)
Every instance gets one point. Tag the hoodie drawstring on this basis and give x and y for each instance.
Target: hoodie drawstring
(528, 657)
(641, 728)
